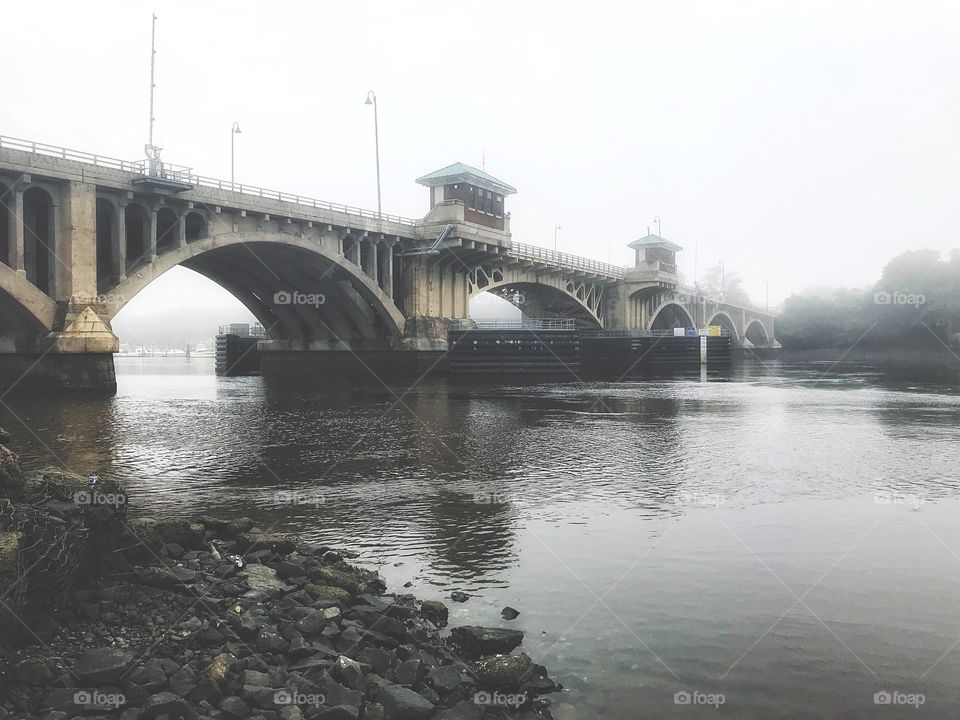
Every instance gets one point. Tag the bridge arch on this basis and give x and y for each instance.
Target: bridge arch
(756, 333)
(26, 312)
(136, 220)
(726, 322)
(39, 238)
(558, 297)
(306, 297)
(668, 315)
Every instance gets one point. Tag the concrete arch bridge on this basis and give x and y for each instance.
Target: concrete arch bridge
(82, 234)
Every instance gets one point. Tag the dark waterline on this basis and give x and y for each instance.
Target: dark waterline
(784, 536)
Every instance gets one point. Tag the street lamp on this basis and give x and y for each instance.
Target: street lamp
(766, 287)
(234, 131)
(556, 228)
(372, 100)
(723, 281)
(657, 221)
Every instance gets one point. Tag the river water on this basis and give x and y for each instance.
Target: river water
(777, 542)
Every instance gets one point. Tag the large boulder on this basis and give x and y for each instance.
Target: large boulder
(503, 672)
(102, 666)
(475, 641)
(404, 704)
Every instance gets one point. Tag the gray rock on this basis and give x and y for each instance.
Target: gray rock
(184, 681)
(340, 712)
(102, 666)
(459, 597)
(436, 612)
(262, 577)
(403, 703)
(150, 676)
(312, 623)
(408, 672)
(475, 641)
(503, 671)
(464, 710)
(234, 707)
(349, 672)
(166, 703)
(339, 695)
(445, 678)
(509, 613)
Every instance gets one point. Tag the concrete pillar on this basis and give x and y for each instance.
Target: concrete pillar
(120, 244)
(182, 231)
(152, 235)
(373, 262)
(58, 252)
(17, 233)
(75, 243)
(387, 264)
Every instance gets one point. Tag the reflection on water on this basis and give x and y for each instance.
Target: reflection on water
(779, 535)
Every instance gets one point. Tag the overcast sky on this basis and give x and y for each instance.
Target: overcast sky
(804, 143)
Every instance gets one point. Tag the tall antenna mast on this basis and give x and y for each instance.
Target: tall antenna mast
(152, 151)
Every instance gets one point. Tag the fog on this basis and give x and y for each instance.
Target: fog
(803, 144)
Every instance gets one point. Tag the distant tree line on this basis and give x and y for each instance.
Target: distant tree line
(915, 304)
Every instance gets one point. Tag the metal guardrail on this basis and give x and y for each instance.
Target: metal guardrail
(533, 252)
(526, 324)
(637, 333)
(181, 173)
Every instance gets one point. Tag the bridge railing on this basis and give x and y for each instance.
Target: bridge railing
(185, 174)
(67, 154)
(534, 252)
(636, 333)
(525, 324)
(296, 199)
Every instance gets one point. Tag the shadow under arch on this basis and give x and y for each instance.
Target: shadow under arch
(536, 300)
(726, 322)
(301, 295)
(756, 333)
(670, 315)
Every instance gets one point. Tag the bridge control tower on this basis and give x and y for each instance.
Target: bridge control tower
(481, 194)
(655, 262)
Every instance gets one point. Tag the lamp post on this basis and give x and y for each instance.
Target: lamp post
(556, 228)
(372, 100)
(234, 131)
(766, 287)
(723, 281)
(657, 221)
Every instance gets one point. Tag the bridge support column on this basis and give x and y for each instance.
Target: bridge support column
(386, 269)
(373, 262)
(78, 351)
(182, 230)
(17, 241)
(119, 251)
(152, 239)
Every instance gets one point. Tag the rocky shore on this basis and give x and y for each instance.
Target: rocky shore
(211, 618)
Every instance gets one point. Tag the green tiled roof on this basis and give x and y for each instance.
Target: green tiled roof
(652, 240)
(465, 173)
